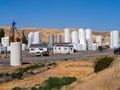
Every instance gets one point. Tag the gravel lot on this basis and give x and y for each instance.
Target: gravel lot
(83, 55)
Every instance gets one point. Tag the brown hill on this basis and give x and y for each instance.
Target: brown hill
(45, 32)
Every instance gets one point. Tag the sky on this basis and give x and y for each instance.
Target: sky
(95, 14)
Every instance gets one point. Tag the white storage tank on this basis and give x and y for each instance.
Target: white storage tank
(5, 41)
(115, 39)
(15, 54)
(84, 47)
(30, 38)
(88, 33)
(82, 36)
(23, 47)
(51, 39)
(94, 46)
(75, 37)
(79, 47)
(37, 38)
(67, 35)
(75, 46)
(99, 39)
(111, 39)
(89, 44)
(58, 38)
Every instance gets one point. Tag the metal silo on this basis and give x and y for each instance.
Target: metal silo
(16, 54)
(30, 38)
(51, 39)
(58, 38)
(5, 41)
(88, 33)
(67, 35)
(37, 38)
(115, 39)
(75, 37)
(82, 36)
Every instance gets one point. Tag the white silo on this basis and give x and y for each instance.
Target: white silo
(75, 37)
(30, 38)
(99, 40)
(115, 39)
(82, 36)
(94, 46)
(88, 33)
(67, 35)
(111, 39)
(51, 39)
(79, 47)
(84, 47)
(23, 47)
(58, 38)
(37, 38)
(89, 44)
(5, 41)
(15, 54)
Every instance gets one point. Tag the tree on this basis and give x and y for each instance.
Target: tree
(24, 40)
(2, 33)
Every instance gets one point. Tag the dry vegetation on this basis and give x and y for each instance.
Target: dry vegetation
(78, 69)
(108, 79)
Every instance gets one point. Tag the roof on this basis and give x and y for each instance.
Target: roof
(39, 45)
(64, 44)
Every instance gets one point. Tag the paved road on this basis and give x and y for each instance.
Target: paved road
(83, 55)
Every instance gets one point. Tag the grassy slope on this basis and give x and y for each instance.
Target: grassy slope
(108, 79)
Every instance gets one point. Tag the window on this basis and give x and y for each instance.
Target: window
(40, 48)
(59, 48)
(32, 49)
(65, 48)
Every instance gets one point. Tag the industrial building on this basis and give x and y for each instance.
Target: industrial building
(65, 48)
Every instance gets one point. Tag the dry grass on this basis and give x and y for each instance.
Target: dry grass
(78, 69)
(108, 79)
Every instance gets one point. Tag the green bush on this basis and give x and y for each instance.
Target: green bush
(102, 63)
(58, 82)
(16, 88)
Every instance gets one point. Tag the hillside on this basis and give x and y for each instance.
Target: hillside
(108, 79)
(45, 32)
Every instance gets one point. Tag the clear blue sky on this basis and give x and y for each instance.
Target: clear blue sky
(94, 14)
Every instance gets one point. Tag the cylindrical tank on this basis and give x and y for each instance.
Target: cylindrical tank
(5, 41)
(67, 35)
(15, 54)
(111, 39)
(79, 47)
(84, 47)
(23, 47)
(75, 46)
(37, 38)
(99, 40)
(94, 46)
(51, 39)
(88, 33)
(58, 38)
(115, 39)
(30, 38)
(75, 37)
(89, 44)
(82, 36)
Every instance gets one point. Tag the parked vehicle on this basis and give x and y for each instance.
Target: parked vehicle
(117, 51)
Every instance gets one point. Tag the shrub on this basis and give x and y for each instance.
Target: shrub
(58, 82)
(102, 63)
(16, 88)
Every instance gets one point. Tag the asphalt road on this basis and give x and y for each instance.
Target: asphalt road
(83, 55)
